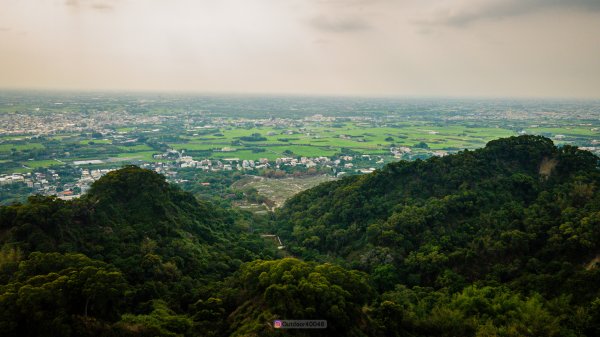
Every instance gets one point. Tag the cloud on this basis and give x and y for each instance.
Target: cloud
(466, 12)
(93, 4)
(339, 24)
(346, 3)
(322, 42)
(102, 6)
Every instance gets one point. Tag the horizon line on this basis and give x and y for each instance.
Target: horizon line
(167, 92)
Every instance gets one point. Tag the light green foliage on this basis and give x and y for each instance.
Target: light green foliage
(162, 322)
(7, 147)
(292, 289)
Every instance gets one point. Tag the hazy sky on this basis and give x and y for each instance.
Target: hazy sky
(349, 47)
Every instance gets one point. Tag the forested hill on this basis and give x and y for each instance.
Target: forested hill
(501, 241)
(128, 217)
(520, 210)
(99, 265)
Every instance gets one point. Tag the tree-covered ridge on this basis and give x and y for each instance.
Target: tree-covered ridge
(164, 243)
(501, 241)
(520, 212)
(139, 257)
(135, 220)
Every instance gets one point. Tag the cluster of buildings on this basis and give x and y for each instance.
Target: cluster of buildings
(398, 152)
(224, 123)
(43, 183)
(50, 182)
(402, 152)
(339, 166)
(594, 149)
(179, 160)
(47, 123)
(88, 177)
(7, 179)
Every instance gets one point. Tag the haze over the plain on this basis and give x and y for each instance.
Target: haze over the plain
(542, 48)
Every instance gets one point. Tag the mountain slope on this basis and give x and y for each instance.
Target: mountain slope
(520, 210)
(135, 220)
(127, 259)
(502, 241)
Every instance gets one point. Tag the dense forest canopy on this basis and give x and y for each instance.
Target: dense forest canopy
(500, 241)
(520, 213)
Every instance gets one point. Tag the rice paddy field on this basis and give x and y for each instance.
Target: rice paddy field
(122, 129)
(253, 143)
(319, 141)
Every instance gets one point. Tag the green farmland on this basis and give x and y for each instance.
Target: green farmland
(316, 141)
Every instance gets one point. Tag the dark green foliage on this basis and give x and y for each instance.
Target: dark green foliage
(475, 311)
(255, 137)
(135, 220)
(49, 293)
(519, 212)
(501, 241)
(421, 145)
(164, 242)
(292, 289)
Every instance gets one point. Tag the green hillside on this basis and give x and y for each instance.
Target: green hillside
(501, 241)
(161, 244)
(519, 214)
